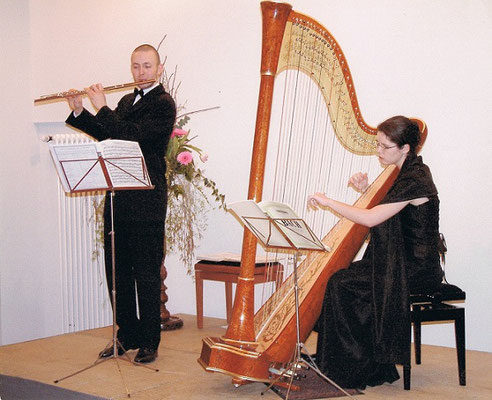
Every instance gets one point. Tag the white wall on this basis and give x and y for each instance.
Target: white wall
(29, 291)
(416, 57)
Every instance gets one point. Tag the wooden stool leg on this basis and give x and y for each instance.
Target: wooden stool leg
(228, 291)
(459, 330)
(199, 299)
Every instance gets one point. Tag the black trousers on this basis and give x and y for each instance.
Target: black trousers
(139, 249)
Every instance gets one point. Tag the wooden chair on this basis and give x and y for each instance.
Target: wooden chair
(228, 272)
(435, 306)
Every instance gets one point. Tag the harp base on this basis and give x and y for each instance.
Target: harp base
(241, 364)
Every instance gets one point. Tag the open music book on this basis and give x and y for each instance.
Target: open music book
(276, 225)
(109, 164)
(231, 258)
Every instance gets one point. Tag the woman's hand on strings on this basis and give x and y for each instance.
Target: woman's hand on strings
(317, 200)
(359, 182)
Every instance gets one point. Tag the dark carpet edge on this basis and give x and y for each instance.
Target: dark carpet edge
(15, 388)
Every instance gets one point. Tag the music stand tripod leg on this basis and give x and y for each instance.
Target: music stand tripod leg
(115, 343)
(298, 360)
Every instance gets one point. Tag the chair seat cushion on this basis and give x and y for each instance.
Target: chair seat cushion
(446, 292)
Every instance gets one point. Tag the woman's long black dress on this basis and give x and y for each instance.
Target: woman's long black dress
(363, 329)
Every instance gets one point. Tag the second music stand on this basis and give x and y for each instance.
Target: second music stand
(298, 361)
(297, 236)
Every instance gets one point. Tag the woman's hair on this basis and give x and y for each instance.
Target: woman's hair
(400, 130)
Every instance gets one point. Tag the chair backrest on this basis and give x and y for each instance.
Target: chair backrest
(447, 291)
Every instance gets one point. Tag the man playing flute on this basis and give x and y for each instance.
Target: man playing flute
(146, 116)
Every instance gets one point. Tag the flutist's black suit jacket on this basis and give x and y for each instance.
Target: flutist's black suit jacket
(150, 123)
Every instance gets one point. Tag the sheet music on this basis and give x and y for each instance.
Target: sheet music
(82, 166)
(250, 215)
(291, 224)
(283, 222)
(124, 161)
(78, 166)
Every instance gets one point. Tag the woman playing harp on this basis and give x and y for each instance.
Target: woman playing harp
(299, 146)
(363, 328)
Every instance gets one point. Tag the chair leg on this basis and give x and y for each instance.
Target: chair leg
(406, 376)
(459, 329)
(417, 334)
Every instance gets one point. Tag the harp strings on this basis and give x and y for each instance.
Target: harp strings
(307, 149)
(307, 155)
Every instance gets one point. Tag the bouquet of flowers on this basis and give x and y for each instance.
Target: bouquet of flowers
(187, 201)
(187, 197)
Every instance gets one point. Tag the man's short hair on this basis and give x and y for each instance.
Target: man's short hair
(148, 47)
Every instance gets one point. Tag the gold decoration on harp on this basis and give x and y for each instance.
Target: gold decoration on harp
(310, 48)
(68, 93)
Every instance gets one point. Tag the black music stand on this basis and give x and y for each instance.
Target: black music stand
(135, 179)
(308, 242)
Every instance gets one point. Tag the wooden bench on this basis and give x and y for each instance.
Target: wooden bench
(228, 272)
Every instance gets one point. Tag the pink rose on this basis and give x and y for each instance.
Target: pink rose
(178, 132)
(185, 157)
(204, 157)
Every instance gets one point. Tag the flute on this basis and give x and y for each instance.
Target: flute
(63, 95)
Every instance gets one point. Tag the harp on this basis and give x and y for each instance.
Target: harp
(298, 45)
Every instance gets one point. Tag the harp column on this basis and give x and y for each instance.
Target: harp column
(275, 17)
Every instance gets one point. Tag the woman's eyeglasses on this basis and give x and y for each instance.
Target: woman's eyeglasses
(384, 147)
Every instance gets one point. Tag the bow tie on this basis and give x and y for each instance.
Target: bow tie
(138, 91)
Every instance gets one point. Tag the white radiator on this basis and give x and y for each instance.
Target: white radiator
(86, 302)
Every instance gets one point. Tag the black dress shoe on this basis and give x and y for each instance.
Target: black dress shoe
(108, 352)
(146, 355)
